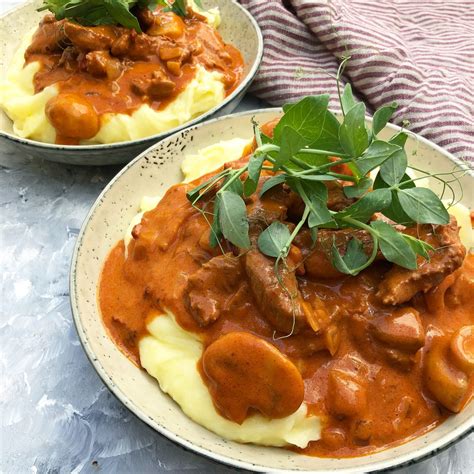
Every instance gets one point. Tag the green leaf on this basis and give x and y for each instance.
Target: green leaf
(273, 239)
(399, 139)
(353, 259)
(306, 117)
(377, 153)
(353, 133)
(359, 189)
(393, 169)
(382, 116)
(393, 245)
(290, 144)
(347, 99)
(233, 219)
(272, 182)
(372, 202)
(119, 11)
(235, 186)
(254, 170)
(419, 246)
(315, 197)
(216, 232)
(423, 206)
(329, 138)
(314, 235)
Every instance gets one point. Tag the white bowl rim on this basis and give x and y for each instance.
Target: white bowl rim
(247, 80)
(419, 455)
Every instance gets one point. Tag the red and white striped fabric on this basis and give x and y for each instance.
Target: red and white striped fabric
(419, 53)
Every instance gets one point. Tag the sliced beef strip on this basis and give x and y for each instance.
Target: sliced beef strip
(214, 283)
(282, 306)
(400, 284)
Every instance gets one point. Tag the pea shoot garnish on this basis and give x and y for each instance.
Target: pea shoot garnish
(301, 154)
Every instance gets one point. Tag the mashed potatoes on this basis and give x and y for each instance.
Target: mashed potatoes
(27, 109)
(170, 354)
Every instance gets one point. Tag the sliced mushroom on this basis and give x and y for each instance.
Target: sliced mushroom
(245, 372)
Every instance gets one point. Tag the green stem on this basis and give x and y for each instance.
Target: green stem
(375, 241)
(344, 177)
(313, 151)
(300, 224)
(235, 176)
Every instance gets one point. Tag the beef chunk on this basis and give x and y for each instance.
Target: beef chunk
(86, 38)
(282, 305)
(401, 330)
(157, 86)
(145, 16)
(101, 64)
(134, 46)
(400, 284)
(211, 286)
(49, 38)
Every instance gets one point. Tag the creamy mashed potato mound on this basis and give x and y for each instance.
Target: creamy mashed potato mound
(170, 354)
(27, 109)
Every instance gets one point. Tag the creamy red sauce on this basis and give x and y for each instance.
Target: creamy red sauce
(373, 371)
(116, 70)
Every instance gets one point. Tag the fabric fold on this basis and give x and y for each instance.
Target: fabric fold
(418, 54)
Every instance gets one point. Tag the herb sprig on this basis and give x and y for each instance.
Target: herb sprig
(109, 12)
(300, 152)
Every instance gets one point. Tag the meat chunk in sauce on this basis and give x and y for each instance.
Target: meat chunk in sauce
(347, 396)
(49, 38)
(156, 86)
(245, 372)
(394, 337)
(212, 286)
(281, 304)
(402, 330)
(400, 284)
(101, 64)
(87, 39)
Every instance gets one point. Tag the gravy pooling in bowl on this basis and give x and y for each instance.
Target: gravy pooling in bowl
(383, 356)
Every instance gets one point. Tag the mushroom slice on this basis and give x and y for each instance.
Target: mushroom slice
(245, 372)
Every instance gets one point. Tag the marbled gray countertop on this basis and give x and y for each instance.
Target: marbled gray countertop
(56, 414)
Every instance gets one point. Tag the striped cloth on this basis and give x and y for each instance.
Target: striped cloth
(419, 53)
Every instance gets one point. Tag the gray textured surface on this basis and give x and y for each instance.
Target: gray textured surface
(56, 414)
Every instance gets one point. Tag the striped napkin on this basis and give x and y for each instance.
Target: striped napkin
(419, 53)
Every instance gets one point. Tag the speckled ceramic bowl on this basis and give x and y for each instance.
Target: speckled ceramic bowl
(237, 27)
(151, 174)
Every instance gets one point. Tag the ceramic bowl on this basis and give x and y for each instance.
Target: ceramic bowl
(238, 27)
(151, 174)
